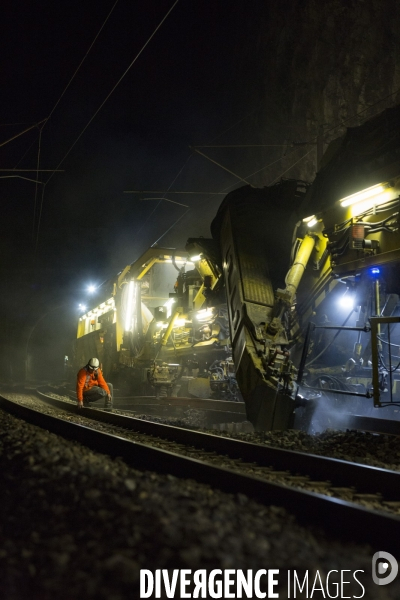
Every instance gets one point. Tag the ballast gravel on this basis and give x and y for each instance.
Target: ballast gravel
(355, 446)
(372, 501)
(77, 524)
(376, 450)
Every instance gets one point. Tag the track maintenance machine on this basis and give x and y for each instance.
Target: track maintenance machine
(312, 282)
(294, 300)
(155, 331)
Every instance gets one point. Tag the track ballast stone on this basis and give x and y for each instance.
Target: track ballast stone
(78, 524)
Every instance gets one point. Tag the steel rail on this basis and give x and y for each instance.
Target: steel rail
(340, 473)
(214, 412)
(223, 406)
(341, 519)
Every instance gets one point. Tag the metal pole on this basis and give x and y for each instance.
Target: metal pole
(375, 362)
(378, 310)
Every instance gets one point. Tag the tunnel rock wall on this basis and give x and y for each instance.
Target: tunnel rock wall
(313, 69)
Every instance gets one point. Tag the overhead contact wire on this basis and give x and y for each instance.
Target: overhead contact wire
(82, 61)
(188, 159)
(270, 164)
(48, 118)
(116, 85)
(172, 226)
(291, 166)
(105, 100)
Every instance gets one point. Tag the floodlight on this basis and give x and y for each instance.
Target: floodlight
(375, 192)
(347, 300)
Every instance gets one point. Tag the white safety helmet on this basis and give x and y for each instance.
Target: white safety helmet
(93, 363)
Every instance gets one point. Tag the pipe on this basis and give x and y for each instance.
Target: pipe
(296, 271)
(169, 328)
(378, 310)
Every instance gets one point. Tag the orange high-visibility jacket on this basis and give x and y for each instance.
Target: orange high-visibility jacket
(87, 379)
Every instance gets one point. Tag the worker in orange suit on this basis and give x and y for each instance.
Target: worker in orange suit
(91, 386)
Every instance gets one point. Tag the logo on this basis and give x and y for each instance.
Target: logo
(385, 564)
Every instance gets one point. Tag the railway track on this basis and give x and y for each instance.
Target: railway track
(224, 414)
(305, 484)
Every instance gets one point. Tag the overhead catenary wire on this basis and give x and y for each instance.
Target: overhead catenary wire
(169, 229)
(266, 167)
(160, 200)
(188, 159)
(82, 61)
(21, 133)
(116, 85)
(293, 145)
(221, 166)
(26, 151)
(44, 121)
(166, 199)
(287, 145)
(186, 162)
(103, 103)
(224, 190)
(291, 166)
(270, 165)
(47, 120)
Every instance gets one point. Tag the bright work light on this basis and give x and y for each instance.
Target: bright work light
(347, 300)
(375, 192)
(168, 304)
(310, 221)
(204, 314)
(129, 306)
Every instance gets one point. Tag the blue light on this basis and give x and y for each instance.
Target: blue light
(374, 271)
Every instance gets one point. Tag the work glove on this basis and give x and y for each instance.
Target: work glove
(80, 403)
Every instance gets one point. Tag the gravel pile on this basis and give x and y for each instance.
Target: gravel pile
(78, 524)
